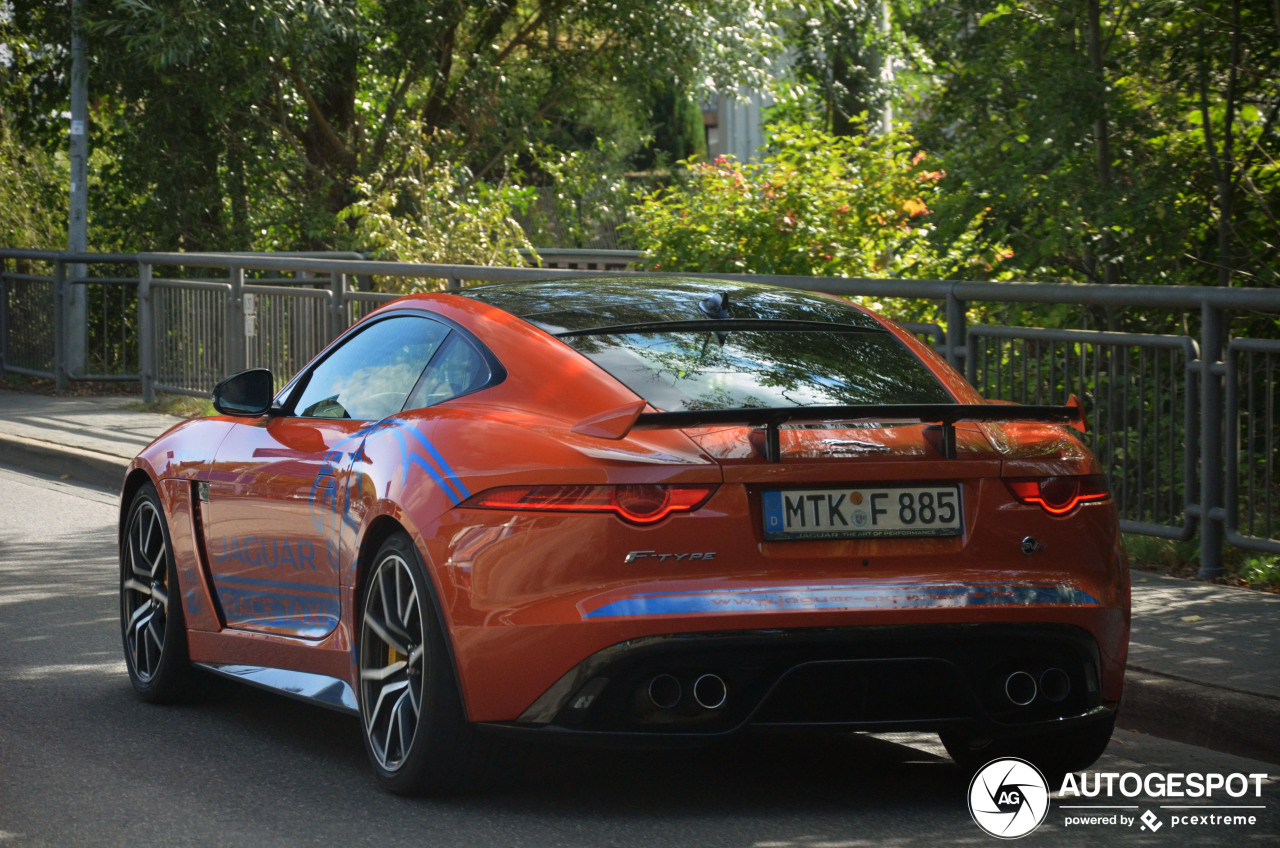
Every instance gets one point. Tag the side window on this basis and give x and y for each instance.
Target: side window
(457, 369)
(371, 375)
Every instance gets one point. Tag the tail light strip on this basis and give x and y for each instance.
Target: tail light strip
(637, 504)
(1059, 495)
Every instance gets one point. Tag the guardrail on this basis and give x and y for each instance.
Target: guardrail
(1189, 428)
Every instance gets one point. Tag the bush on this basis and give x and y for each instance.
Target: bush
(816, 205)
(430, 210)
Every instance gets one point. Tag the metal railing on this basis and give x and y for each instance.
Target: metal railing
(584, 259)
(1188, 428)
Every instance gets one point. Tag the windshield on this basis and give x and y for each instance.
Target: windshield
(694, 371)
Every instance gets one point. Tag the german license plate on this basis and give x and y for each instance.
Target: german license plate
(867, 511)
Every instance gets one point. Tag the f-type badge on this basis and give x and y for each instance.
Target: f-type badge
(661, 557)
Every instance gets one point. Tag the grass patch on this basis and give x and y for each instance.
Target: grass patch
(1262, 572)
(183, 406)
(1182, 559)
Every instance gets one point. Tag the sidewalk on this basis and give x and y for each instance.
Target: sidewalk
(1204, 666)
(90, 440)
(1204, 660)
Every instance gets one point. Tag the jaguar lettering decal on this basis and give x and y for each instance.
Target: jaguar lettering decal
(272, 553)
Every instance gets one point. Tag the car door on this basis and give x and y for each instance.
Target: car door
(276, 531)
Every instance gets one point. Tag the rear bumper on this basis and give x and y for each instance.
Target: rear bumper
(667, 689)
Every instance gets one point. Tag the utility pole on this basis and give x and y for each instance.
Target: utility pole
(885, 27)
(78, 225)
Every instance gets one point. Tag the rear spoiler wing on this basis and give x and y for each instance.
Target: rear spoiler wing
(616, 423)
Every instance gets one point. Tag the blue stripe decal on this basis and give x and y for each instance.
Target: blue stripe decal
(842, 597)
(304, 615)
(286, 585)
(404, 450)
(444, 466)
(435, 475)
(448, 486)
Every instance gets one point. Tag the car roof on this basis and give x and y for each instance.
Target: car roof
(586, 303)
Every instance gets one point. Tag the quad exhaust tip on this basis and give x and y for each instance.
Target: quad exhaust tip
(665, 691)
(710, 691)
(1020, 688)
(1055, 685)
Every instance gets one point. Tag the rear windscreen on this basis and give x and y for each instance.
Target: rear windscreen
(676, 370)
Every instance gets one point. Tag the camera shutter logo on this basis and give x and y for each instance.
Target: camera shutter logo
(1008, 798)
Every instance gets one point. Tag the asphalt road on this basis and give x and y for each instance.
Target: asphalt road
(82, 762)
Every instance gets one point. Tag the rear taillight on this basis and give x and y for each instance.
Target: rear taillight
(1059, 495)
(637, 503)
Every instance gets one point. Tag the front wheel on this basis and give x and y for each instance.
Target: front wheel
(1055, 752)
(151, 622)
(415, 730)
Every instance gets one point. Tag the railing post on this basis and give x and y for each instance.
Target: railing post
(146, 335)
(59, 325)
(955, 330)
(337, 304)
(1212, 467)
(236, 340)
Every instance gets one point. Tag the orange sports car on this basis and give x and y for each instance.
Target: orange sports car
(632, 512)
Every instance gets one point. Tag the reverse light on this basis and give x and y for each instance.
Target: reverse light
(1059, 495)
(636, 503)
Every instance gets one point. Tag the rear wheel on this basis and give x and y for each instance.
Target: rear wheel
(415, 730)
(151, 622)
(1055, 753)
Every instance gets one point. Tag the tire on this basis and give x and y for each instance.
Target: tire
(151, 622)
(1055, 753)
(413, 722)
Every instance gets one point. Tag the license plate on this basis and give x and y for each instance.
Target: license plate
(868, 511)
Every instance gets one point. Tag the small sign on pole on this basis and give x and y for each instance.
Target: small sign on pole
(250, 315)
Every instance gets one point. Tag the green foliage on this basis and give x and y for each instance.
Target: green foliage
(1166, 555)
(1182, 559)
(181, 406)
(253, 124)
(839, 52)
(1262, 572)
(585, 196)
(431, 211)
(816, 204)
(33, 186)
(1135, 146)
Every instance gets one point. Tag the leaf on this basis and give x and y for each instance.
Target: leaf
(1001, 10)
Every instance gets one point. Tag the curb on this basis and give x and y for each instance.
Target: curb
(1226, 720)
(100, 470)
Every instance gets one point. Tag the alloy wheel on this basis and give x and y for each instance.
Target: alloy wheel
(392, 661)
(145, 590)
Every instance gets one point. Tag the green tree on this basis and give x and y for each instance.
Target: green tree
(33, 189)
(277, 114)
(433, 211)
(1132, 140)
(839, 50)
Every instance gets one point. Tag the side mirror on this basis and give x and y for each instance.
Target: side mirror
(249, 393)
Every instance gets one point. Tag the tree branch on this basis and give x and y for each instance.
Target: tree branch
(313, 108)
